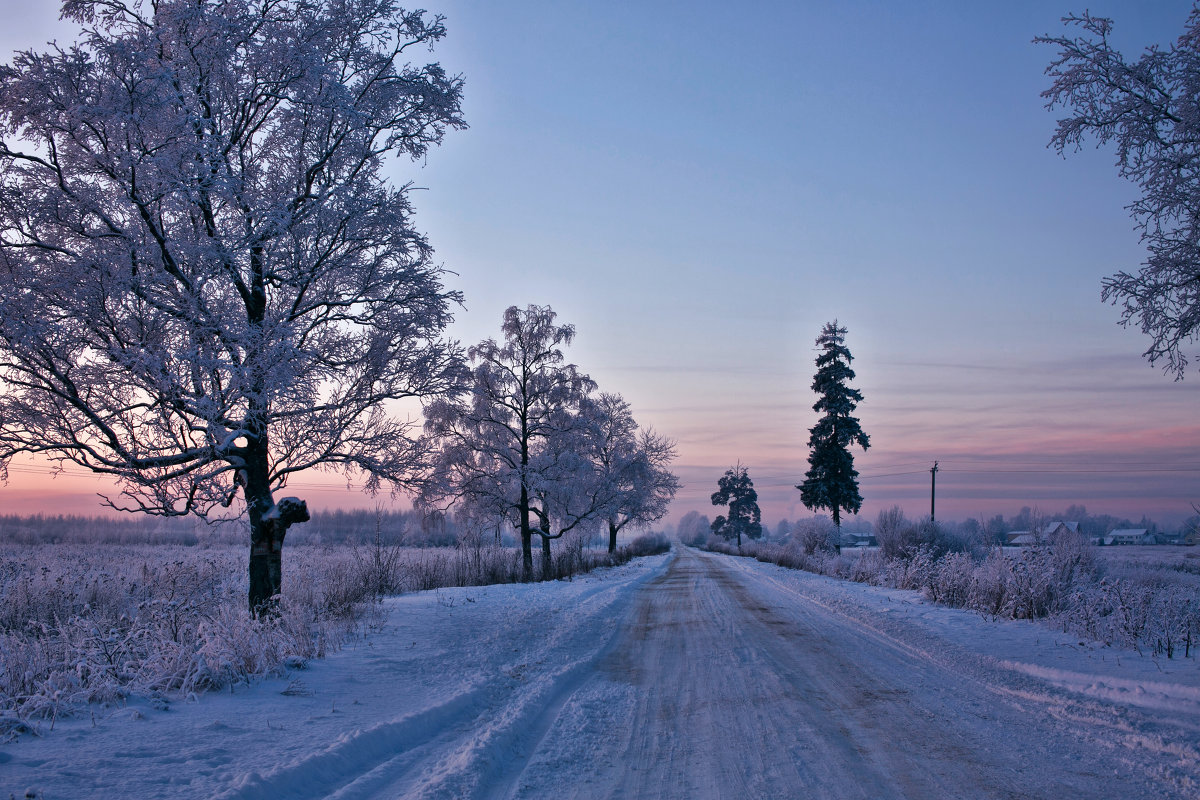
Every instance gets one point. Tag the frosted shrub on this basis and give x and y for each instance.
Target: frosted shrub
(1031, 588)
(988, 592)
(868, 567)
(1147, 608)
(914, 572)
(950, 580)
(97, 624)
(817, 533)
(1143, 610)
(890, 532)
(649, 544)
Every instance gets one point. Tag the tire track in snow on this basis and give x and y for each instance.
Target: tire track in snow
(476, 740)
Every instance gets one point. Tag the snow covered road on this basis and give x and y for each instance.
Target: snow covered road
(690, 675)
(731, 680)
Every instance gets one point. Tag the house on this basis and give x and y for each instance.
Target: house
(1047, 533)
(1055, 528)
(858, 540)
(1129, 536)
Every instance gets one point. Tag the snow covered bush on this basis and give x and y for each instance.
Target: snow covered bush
(989, 584)
(817, 533)
(950, 581)
(82, 625)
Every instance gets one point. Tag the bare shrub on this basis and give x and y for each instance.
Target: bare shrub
(891, 529)
(951, 579)
(988, 593)
(815, 533)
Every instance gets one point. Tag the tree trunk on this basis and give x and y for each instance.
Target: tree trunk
(268, 525)
(260, 507)
(526, 538)
(547, 560)
(612, 537)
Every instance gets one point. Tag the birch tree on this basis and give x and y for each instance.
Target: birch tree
(206, 283)
(515, 447)
(631, 466)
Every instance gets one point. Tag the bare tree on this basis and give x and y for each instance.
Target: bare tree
(515, 446)
(631, 467)
(206, 284)
(1148, 109)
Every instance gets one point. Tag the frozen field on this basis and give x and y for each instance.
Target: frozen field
(690, 675)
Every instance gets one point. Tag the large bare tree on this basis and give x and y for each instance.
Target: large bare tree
(1148, 108)
(206, 283)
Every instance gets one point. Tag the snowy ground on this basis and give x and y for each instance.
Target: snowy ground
(690, 675)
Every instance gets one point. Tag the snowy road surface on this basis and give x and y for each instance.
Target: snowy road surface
(683, 676)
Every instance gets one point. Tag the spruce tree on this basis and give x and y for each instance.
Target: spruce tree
(831, 481)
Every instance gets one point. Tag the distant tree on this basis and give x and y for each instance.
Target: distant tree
(783, 530)
(1075, 512)
(996, 530)
(736, 490)
(631, 466)
(1148, 108)
(207, 285)
(515, 446)
(832, 482)
(693, 528)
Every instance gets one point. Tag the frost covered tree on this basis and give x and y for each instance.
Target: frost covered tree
(206, 283)
(632, 467)
(736, 490)
(693, 528)
(515, 446)
(831, 481)
(1148, 108)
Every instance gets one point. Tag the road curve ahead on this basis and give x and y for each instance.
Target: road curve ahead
(723, 682)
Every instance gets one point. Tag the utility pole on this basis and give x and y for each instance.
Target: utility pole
(932, 489)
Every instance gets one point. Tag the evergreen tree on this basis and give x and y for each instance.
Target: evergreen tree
(831, 481)
(736, 490)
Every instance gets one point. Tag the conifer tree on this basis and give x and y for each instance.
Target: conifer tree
(736, 490)
(831, 481)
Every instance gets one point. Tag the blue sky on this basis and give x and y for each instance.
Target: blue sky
(699, 187)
